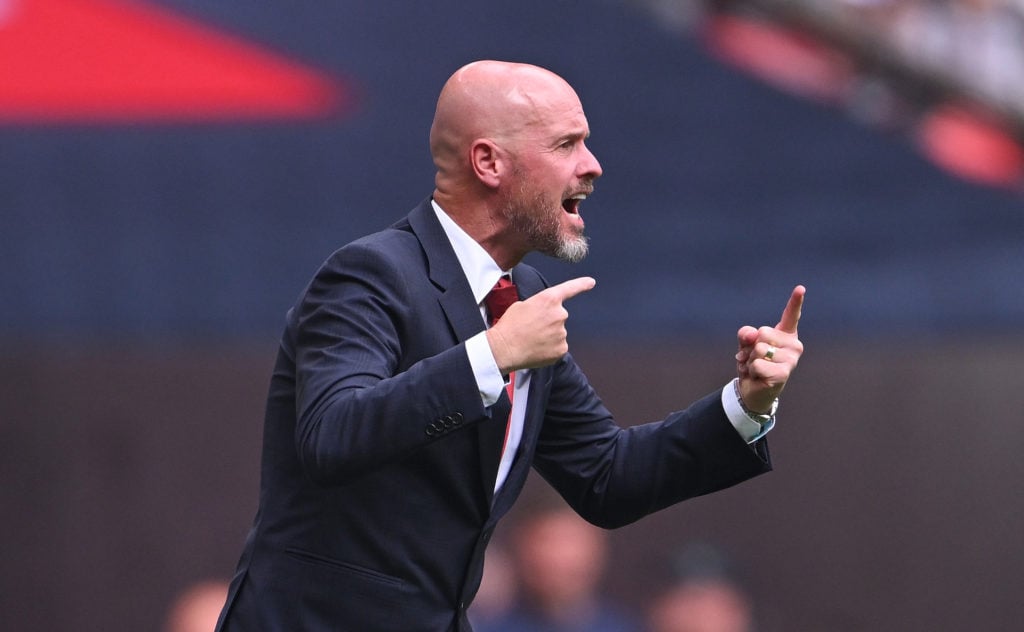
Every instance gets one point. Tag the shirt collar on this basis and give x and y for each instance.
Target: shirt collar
(481, 271)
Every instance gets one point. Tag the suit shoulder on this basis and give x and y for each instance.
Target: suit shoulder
(380, 261)
(393, 244)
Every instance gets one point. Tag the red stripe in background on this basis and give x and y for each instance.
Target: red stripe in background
(117, 60)
(971, 146)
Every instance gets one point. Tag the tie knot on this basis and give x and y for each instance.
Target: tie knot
(499, 298)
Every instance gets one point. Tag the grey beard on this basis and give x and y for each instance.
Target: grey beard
(572, 249)
(543, 231)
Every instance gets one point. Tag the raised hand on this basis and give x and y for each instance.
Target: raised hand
(768, 355)
(532, 333)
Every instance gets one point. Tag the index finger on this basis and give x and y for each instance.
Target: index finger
(568, 289)
(791, 315)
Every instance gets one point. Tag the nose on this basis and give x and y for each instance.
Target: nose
(589, 166)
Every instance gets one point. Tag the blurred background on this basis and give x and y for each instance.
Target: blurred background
(173, 171)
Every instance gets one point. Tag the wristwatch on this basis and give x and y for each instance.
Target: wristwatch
(760, 418)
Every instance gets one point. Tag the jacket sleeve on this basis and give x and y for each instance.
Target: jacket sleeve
(375, 377)
(613, 476)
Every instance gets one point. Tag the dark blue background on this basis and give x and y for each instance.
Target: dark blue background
(131, 468)
(719, 194)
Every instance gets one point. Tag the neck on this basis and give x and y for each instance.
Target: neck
(486, 225)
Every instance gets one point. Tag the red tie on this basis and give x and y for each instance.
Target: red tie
(499, 298)
(497, 301)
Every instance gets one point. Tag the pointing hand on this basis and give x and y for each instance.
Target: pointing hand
(767, 356)
(532, 332)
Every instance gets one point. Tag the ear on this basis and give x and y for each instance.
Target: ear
(485, 159)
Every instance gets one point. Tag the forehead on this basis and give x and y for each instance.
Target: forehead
(552, 112)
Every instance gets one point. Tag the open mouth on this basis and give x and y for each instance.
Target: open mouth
(572, 204)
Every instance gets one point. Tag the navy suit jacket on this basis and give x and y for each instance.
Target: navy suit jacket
(379, 458)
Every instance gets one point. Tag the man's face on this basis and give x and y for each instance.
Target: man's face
(561, 558)
(553, 171)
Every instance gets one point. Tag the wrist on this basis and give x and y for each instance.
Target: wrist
(499, 350)
(757, 414)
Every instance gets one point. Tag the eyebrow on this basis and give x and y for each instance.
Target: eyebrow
(576, 135)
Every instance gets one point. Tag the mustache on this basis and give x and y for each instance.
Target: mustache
(586, 188)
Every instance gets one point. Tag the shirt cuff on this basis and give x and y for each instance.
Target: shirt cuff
(748, 428)
(485, 370)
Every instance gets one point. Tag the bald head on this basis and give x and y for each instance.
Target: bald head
(492, 100)
(508, 141)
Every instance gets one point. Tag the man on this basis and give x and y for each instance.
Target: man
(702, 592)
(560, 562)
(389, 449)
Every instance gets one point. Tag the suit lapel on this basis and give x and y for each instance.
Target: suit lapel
(532, 424)
(446, 274)
(463, 315)
(528, 284)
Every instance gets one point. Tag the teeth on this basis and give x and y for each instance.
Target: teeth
(580, 196)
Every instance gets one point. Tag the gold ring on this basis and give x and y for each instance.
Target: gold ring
(770, 353)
